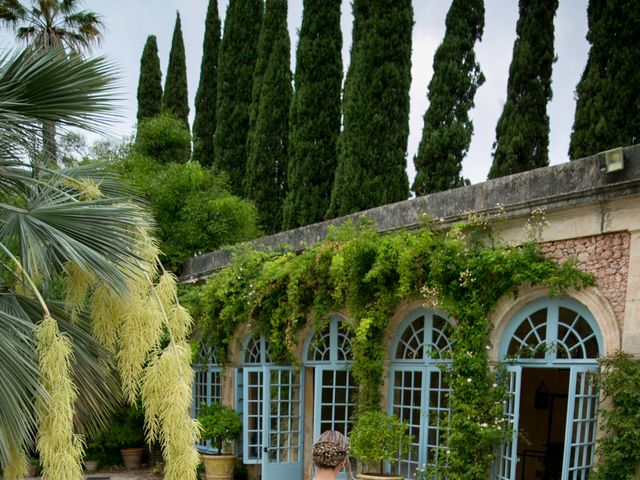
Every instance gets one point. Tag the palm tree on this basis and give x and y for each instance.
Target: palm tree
(75, 249)
(47, 24)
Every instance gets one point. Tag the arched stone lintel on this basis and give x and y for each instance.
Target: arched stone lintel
(592, 298)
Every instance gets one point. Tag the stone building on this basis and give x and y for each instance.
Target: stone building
(593, 213)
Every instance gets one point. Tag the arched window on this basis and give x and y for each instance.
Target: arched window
(418, 394)
(553, 331)
(207, 384)
(551, 347)
(329, 352)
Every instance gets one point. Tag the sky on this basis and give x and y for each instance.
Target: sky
(128, 22)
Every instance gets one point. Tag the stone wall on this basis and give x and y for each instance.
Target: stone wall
(606, 256)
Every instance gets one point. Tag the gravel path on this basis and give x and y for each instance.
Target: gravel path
(141, 474)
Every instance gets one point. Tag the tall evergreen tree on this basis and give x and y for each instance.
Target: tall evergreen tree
(315, 114)
(266, 172)
(608, 94)
(150, 81)
(456, 77)
(175, 101)
(266, 40)
(372, 148)
(204, 124)
(235, 73)
(522, 133)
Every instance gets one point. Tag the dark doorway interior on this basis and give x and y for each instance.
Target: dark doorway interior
(542, 421)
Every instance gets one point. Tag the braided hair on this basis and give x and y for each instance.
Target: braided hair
(330, 450)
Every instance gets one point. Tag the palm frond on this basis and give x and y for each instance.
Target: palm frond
(53, 87)
(19, 382)
(96, 235)
(12, 11)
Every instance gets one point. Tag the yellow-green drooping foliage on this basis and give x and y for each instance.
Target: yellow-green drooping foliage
(161, 376)
(59, 446)
(165, 408)
(79, 263)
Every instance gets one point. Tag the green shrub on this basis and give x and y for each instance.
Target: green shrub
(164, 139)
(219, 424)
(377, 438)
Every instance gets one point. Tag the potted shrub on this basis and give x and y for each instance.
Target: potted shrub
(93, 455)
(127, 433)
(221, 426)
(32, 469)
(377, 438)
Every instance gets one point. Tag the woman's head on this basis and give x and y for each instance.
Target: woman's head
(330, 450)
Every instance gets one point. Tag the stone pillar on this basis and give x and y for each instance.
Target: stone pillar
(631, 327)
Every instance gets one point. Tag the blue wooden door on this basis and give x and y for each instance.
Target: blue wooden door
(282, 434)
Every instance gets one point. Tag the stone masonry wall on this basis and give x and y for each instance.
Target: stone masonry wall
(606, 256)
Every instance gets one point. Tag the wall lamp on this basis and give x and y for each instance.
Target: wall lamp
(611, 160)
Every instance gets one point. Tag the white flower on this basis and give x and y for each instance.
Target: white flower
(469, 380)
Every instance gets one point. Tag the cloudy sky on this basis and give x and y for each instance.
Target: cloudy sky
(130, 21)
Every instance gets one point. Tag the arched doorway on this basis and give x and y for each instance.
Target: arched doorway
(551, 348)
(418, 391)
(272, 412)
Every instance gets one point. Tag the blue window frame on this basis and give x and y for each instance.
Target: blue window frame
(207, 385)
(329, 352)
(418, 391)
(556, 333)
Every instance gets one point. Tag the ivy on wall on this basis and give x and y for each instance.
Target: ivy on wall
(365, 275)
(619, 449)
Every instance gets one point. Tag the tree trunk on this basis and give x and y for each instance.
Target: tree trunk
(49, 144)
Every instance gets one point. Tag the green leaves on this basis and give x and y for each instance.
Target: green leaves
(619, 448)
(378, 437)
(366, 275)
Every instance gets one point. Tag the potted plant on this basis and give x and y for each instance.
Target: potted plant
(32, 469)
(377, 438)
(92, 456)
(220, 425)
(127, 433)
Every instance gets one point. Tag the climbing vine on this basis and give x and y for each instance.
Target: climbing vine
(619, 448)
(365, 274)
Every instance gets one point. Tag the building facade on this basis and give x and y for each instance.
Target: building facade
(592, 215)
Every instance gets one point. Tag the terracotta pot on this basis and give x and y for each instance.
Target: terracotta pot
(91, 465)
(219, 467)
(32, 470)
(132, 457)
(373, 476)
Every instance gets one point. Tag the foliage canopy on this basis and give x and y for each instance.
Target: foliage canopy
(366, 275)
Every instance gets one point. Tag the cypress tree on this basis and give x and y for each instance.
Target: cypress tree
(372, 148)
(266, 39)
(150, 81)
(235, 74)
(456, 77)
(315, 114)
(204, 124)
(522, 133)
(608, 94)
(265, 178)
(176, 100)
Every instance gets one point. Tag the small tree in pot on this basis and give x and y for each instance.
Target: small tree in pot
(221, 426)
(378, 438)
